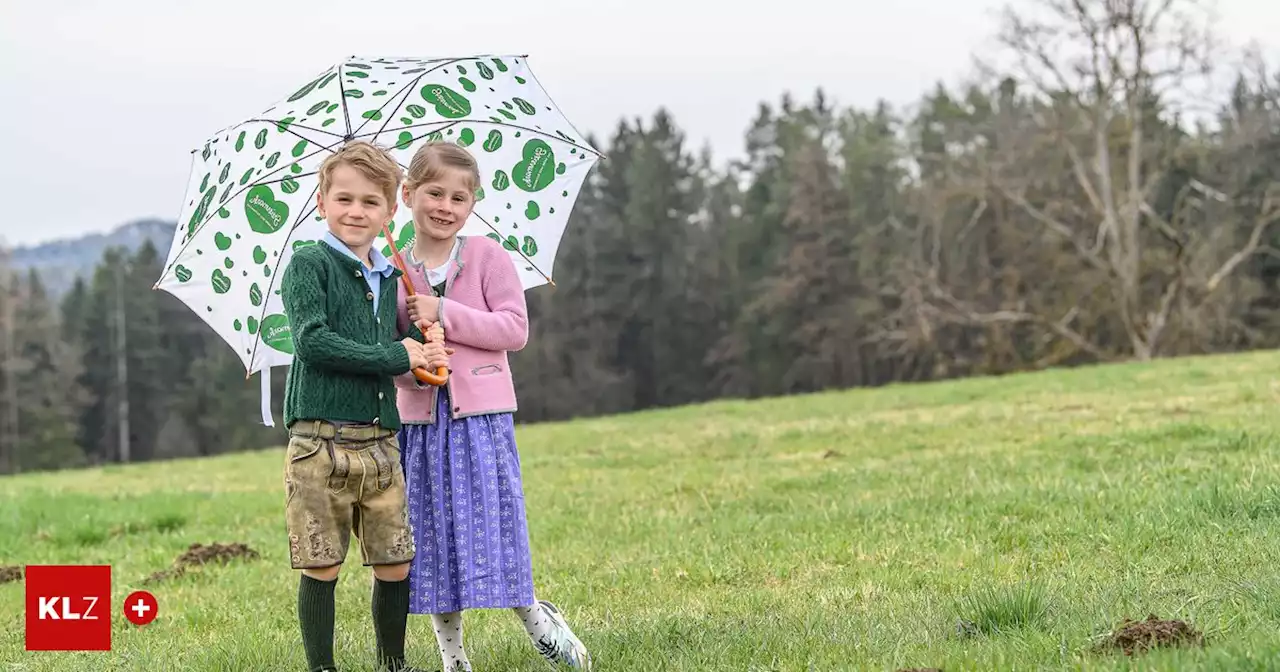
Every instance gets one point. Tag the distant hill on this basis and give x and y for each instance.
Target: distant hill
(59, 262)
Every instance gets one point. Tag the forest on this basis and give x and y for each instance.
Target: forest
(1108, 191)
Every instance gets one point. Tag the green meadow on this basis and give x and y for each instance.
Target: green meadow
(986, 524)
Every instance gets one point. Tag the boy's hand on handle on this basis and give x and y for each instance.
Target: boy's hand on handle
(436, 369)
(423, 308)
(417, 354)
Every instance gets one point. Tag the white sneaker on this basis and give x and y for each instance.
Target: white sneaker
(564, 647)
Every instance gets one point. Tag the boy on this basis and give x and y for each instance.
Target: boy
(342, 472)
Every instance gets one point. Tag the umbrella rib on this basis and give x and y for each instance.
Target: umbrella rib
(517, 250)
(403, 95)
(446, 126)
(553, 102)
(291, 125)
(288, 177)
(535, 131)
(405, 88)
(342, 91)
(329, 148)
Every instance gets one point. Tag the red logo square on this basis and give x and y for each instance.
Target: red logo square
(68, 607)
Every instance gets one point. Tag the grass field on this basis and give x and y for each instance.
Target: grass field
(987, 524)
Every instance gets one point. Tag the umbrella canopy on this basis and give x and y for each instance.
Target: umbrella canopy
(251, 195)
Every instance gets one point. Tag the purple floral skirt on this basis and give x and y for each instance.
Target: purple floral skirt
(466, 507)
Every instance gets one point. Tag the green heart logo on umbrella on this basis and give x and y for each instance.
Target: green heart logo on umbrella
(449, 103)
(276, 334)
(265, 213)
(537, 171)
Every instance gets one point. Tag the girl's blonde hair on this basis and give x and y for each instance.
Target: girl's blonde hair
(433, 158)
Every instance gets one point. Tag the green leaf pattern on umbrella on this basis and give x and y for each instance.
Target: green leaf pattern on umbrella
(250, 202)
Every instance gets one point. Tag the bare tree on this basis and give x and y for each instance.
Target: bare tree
(1091, 169)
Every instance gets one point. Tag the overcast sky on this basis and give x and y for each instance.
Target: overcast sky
(103, 101)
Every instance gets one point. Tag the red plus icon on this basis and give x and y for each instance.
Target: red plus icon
(140, 607)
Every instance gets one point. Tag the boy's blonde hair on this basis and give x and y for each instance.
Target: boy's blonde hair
(434, 158)
(375, 163)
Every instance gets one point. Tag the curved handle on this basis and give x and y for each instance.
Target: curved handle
(438, 378)
(441, 374)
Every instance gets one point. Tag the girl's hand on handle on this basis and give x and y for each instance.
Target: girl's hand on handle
(437, 355)
(423, 308)
(434, 332)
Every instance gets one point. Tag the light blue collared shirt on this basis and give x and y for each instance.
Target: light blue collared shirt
(382, 268)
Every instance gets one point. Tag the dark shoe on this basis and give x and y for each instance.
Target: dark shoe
(400, 667)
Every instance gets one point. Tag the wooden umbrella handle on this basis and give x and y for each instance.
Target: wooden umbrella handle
(440, 377)
(441, 374)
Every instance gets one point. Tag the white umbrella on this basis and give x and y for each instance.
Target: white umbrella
(252, 189)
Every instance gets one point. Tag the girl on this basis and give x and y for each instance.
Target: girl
(462, 470)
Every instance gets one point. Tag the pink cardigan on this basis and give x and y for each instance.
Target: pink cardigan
(484, 316)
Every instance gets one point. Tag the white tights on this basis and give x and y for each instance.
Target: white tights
(448, 629)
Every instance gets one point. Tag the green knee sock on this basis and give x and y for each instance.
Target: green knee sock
(315, 616)
(390, 616)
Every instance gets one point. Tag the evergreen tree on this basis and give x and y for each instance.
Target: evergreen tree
(49, 400)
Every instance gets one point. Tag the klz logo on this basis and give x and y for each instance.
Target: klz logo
(49, 609)
(68, 607)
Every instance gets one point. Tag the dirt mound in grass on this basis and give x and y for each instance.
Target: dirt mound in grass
(198, 555)
(1138, 636)
(10, 574)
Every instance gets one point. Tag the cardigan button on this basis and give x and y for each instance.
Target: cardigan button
(357, 273)
(369, 296)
